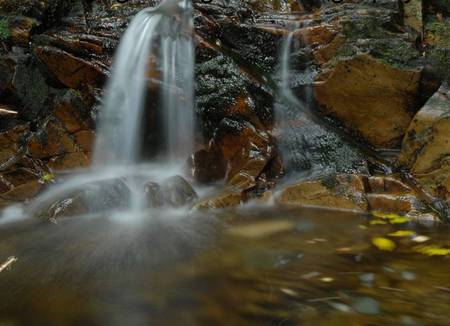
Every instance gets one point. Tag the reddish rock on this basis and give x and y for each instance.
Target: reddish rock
(71, 71)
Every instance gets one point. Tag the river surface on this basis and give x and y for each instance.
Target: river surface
(255, 266)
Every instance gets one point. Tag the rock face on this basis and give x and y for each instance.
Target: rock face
(357, 75)
(426, 146)
(351, 93)
(380, 194)
(335, 191)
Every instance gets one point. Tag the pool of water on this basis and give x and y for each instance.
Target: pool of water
(247, 267)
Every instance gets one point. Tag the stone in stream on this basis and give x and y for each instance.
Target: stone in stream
(177, 191)
(96, 197)
(153, 195)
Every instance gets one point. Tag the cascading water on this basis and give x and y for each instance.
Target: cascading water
(164, 35)
(159, 39)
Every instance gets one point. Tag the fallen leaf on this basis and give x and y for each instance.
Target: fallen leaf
(383, 244)
(402, 233)
(399, 220)
(377, 222)
(386, 216)
(432, 250)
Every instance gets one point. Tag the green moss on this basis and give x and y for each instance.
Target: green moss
(329, 181)
(440, 59)
(438, 32)
(4, 29)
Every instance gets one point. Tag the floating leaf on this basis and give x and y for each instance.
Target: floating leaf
(383, 244)
(402, 233)
(327, 279)
(377, 222)
(362, 227)
(385, 216)
(399, 220)
(432, 250)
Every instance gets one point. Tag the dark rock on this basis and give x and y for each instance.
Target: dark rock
(97, 197)
(153, 195)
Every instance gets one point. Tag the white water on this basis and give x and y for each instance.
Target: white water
(164, 35)
(161, 39)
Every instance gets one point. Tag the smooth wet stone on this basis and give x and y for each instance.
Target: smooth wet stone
(153, 195)
(346, 93)
(177, 191)
(335, 191)
(93, 198)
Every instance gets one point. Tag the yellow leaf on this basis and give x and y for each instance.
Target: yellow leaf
(377, 222)
(402, 233)
(49, 177)
(399, 220)
(386, 216)
(432, 250)
(383, 244)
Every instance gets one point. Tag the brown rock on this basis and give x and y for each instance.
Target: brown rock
(71, 71)
(370, 98)
(19, 184)
(342, 191)
(393, 203)
(207, 165)
(246, 150)
(426, 146)
(227, 199)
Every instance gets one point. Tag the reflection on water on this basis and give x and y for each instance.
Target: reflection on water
(253, 267)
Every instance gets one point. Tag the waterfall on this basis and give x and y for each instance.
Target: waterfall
(158, 39)
(163, 34)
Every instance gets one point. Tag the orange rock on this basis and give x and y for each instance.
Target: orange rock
(342, 191)
(350, 92)
(71, 71)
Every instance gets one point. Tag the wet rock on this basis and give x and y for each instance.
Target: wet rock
(71, 71)
(178, 192)
(24, 84)
(153, 194)
(342, 191)
(426, 146)
(52, 143)
(247, 151)
(207, 165)
(228, 198)
(98, 197)
(351, 94)
(19, 184)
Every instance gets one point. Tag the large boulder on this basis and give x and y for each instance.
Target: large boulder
(370, 98)
(426, 146)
